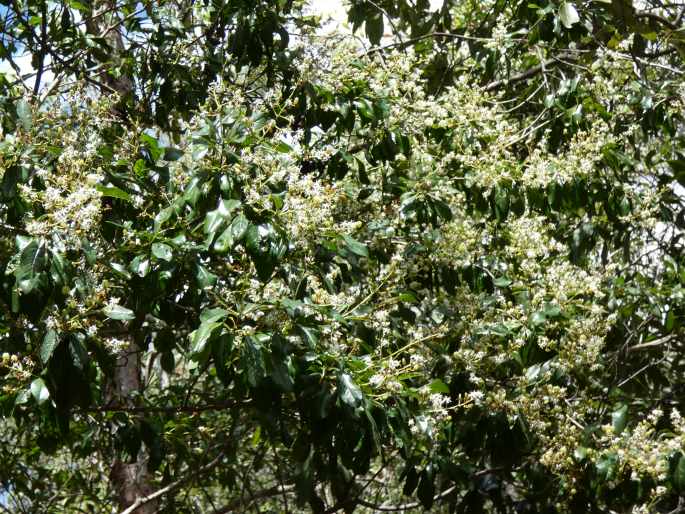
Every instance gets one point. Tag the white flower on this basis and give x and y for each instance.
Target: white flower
(376, 380)
(438, 401)
(476, 396)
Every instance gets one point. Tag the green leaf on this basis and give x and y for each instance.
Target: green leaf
(251, 361)
(152, 147)
(120, 269)
(619, 419)
(192, 192)
(233, 234)
(78, 352)
(365, 108)
(89, 251)
(408, 297)
(23, 397)
(502, 282)
(348, 391)
(113, 192)
(580, 453)
(209, 315)
(309, 335)
(139, 168)
(426, 490)
(374, 28)
(32, 262)
(172, 154)
(23, 110)
(283, 147)
(40, 391)
(79, 6)
(606, 466)
(58, 269)
(167, 361)
(552, 311)
(50, 342)
(280, 374)
(116, 311)
(538, 318)
(162, 217)
(221, 352)
(200, 337)
(213, 221)
(224, 242)
(568, 14)
(411, 481)
(22, 241)
(679, 474)
(355, 246)
(140, 265)
(216, 218)
(239, 227)
(204, 277)
(438, 386)
(162, 251)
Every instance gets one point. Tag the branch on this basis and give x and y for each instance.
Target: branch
(43, 46)
(651, 344)
(531, 72)
(406, 506)
(239, 504)
(171, 487)
(659, 19)
(178, 408)
(448, 35)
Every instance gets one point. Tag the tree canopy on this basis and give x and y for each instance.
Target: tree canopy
(432, 260)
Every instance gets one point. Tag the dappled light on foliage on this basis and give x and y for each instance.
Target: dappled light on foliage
(433, 264)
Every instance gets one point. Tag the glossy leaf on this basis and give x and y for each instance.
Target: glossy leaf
(118, 312)
(349, 392)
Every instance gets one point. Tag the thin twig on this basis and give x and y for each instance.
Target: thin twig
(447, 35)
(531, 72)
(639, 371)
(238, 505)
(406, 506)
(171, 410)
(651, 344)
(172, 486)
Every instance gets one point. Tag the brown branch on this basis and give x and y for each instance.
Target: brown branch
(43, 47)
(240, 505)
(172, 486)
(446, 35)
(179, 408)
(659, 19)
(405, 506)
(651, 344)
(531, 72)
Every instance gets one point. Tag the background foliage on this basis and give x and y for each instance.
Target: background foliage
(249, 265)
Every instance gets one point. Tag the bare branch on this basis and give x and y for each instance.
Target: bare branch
(172, 486)
(171, 410)
(405, 506)
(240, 505)
(651, 344)
(531, 72)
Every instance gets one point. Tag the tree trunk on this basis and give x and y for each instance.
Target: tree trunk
(130, 480)
(103, 22)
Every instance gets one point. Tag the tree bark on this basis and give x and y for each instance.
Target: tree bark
(131, 480)
(104, 22)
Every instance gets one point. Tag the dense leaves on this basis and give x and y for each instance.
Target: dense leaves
(260, 266)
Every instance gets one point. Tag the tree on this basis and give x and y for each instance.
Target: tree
(251, 267)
